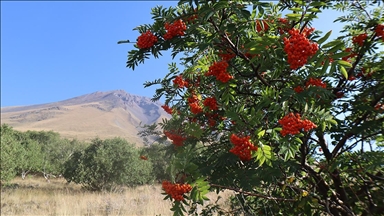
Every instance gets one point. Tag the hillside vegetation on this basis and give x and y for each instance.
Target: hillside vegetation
(44, 174)
(96, 165)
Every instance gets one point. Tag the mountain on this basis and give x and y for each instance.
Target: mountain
(99, 114)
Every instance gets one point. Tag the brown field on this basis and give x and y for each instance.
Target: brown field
(35, 196)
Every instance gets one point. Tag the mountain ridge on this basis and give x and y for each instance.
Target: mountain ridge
(98, 114)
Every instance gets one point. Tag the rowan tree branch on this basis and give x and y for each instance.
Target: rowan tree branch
(253, 194)
(238, 52)
(349, 134)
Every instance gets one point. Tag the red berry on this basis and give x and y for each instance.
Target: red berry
(299, 48)
(146, 40)
(243, 147)
(177, 28)
(292, 124)
(359, 39)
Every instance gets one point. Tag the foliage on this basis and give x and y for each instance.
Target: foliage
(34, 151)
(106, 164)
(159, 156)
(270, 107)
(22, 152)
(9, 148)
(55, 150)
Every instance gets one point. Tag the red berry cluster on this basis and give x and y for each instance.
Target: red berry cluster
(226, 56)
(167, 109)
(212, 118)
(365, 73)
(211, 103)
(299, 48)
(379, 107)
(177, 139)
(196, 108)
(298, 89)
(177, 28)
(292, 124)
(284, 25)
(142, 157)
(315, 82)
(192, 18)
(180, 82)
(219, 70)
(359, 39)
(380, 31)
(176, 191)
(243, 147)
(311, 82)
(351, 78)
(351, 55)
(194, 104)
(339, 94)
(261, 25)
(146, 40)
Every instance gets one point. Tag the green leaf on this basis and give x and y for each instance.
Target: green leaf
(298, 140)
(340, 55)
(323, 126)
(300, 2)
(314, 10)
(335, 48)
(332, 121)
(195, 130)
(205, 197)
(324, 38)
(332, 43)
(343, 71)
(208, 15)
(325, 66)
(293, 16)
(220, 5)
(344, 63)
(319, 59)
(260, 134)
(296, 9)
(264, 154)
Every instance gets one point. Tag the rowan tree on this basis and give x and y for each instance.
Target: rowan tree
(266, 105)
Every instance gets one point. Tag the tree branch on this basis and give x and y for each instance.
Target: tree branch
(355, 123)
(238, 52)
(324, 146)
(253, 194)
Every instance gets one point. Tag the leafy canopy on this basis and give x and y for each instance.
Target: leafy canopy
(269, 107)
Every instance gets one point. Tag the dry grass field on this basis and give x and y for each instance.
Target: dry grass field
(35, 196)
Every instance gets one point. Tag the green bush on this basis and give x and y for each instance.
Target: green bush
(54, 149)
(9, 147)
(19, 154)
(106, 164)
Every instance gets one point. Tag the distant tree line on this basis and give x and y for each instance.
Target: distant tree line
(98, 165)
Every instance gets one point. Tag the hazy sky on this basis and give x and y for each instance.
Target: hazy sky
(55, 50)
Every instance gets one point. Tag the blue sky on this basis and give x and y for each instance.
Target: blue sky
(55, 50)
